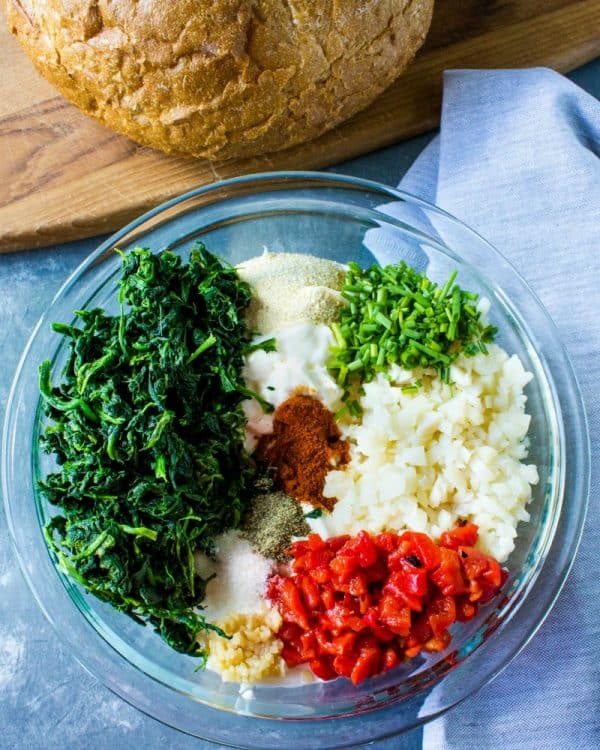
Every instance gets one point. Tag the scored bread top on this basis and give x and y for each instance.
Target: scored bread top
(220, 78)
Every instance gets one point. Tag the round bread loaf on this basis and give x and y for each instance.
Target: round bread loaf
(220, 78)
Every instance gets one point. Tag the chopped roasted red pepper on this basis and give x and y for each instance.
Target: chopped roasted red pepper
(291, 656)
(462, 535)
(338, 618)
(323, 668)
(327, 595)
(357, 585)
(357, 606)
(465, 609)
(293, 609)
(344, 566)
(484, 573)
(308, 645)
(367, 663)
(371, 620)
(390, 659)
(386, 542)
(310, 592)
(396, 587)
(441, 613)
(394, 615)
(448, 576)
(320, 575)
(344, 664)
(425, 548)
(362, 548)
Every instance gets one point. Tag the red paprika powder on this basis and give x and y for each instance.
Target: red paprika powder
(305, 444)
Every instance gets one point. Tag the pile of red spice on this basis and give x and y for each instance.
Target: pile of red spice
(357, 606)
(305, 444)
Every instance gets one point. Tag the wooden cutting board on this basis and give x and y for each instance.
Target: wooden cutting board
(64, 176)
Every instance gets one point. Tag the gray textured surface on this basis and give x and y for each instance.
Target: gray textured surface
(47, 701)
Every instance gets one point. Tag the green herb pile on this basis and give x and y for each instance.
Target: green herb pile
(148, 431)
(396, 315)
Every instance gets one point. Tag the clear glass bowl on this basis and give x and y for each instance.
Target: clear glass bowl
(340, 218)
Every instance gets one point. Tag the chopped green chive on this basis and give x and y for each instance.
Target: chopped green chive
(356, 364)
(383, 320)
(338, 335)
(396, 315)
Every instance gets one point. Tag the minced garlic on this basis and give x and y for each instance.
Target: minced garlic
(253, 653)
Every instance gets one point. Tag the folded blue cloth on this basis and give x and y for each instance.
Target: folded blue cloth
(517, 159)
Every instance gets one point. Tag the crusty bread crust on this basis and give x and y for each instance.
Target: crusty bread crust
(220, 78)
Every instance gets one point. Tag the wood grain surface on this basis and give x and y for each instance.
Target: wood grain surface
(64, 176)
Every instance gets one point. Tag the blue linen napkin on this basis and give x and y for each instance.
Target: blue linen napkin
(517, 159)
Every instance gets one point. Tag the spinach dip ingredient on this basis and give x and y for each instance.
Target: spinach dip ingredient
(147, 429)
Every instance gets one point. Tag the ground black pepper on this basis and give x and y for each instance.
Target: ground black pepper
(272, 520)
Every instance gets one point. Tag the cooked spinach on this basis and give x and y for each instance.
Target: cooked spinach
(147, 428)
